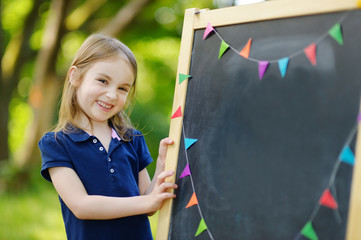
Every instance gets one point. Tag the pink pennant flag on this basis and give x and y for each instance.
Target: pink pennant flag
(186, 172)
(208, 30)
(177, 113)
(262, 67)
(328, 200)
(310, 52)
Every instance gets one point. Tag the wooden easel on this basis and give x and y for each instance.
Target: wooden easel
(197, 19)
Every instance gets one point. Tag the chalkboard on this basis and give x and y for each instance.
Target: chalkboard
(269, 149)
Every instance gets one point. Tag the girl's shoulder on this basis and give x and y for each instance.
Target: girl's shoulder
(51, 138)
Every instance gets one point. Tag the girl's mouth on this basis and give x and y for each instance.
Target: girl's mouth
(104, 105)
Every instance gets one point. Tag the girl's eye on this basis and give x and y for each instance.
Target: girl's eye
(102, 81)
(123, 89)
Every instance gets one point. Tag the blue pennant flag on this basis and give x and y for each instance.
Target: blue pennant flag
(347, 156)
(282, 64)
(188, 142)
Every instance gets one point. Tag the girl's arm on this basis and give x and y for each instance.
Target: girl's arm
(84, 206)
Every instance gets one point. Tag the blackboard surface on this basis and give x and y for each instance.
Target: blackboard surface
(266, 148)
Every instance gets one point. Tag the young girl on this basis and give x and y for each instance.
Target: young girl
(94, 158)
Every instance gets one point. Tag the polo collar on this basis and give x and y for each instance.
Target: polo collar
(79, 135)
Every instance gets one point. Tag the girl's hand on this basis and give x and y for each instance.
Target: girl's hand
(163, 146)
(160, 191)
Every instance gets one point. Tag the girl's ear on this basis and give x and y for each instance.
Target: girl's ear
(73, 80)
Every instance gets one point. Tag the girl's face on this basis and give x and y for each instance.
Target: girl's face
(104, 89)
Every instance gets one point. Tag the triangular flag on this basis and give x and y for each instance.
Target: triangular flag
(282, 64)
(202, 226)
(336, 33)
(186, 172)
(347, 156)
(183, 77)
(262, 67)
(310, 52)
(328, 200)
(177, 113)
(245, 51)
(188, 142)
(193, 201)
(222, 49)
(209, 29)
(309, 232)
(359, 115)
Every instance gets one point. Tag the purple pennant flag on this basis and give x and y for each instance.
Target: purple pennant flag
(359, 117)
(262, 67)
(186, 172)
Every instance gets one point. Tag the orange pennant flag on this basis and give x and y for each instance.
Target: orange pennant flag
(245, 51)
(193, 201)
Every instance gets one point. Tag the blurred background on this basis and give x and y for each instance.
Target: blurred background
(38, 40)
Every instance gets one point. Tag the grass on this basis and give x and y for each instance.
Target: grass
(34, 213)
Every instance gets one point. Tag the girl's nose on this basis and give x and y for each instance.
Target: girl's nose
(111, 95)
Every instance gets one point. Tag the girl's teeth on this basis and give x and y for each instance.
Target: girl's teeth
(103, 105)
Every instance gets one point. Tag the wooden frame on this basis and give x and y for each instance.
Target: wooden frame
(275, 9)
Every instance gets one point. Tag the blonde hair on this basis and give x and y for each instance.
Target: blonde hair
(95, 48)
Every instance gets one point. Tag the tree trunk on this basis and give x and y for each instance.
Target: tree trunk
(45, 90)
(10, 74)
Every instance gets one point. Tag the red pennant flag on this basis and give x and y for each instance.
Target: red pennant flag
(177, 113)
(245, 51)
(328, 200)
(310, 52)
(193, 201)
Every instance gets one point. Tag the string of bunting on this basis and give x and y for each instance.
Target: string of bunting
(328, 197)
(310, 51)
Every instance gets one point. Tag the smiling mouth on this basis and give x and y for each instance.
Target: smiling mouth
(104, 105)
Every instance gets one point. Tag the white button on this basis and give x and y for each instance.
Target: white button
(95, 141)
(109, 160)
(112, 170)
(101, 148)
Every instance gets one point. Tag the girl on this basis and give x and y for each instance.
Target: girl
(94, 158)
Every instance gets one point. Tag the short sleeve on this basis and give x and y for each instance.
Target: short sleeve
(142, 150)
(53, 154)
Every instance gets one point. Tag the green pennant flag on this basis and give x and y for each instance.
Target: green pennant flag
(183, 77)
(309, 232)
(336, 33)
(222, 49)
(202, 226)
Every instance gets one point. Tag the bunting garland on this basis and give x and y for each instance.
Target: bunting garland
(346, 156)
(335, 32)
